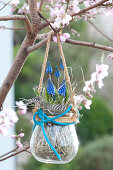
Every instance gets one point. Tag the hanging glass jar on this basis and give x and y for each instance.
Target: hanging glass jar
(54, 138)
(63, 138)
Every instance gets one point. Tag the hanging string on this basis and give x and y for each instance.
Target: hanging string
(64, 63)
(44, 63)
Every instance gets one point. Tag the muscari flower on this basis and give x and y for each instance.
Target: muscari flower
(62, 89)
(50, 87)
(61, 64)
(49, 68)
(57, 73)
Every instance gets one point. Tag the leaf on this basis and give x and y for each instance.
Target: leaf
(67, 94)
(47, 95)
(36, 91)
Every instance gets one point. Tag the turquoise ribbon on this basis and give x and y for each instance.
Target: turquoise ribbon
(45, 119)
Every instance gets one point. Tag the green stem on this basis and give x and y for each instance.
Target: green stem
(67, 6)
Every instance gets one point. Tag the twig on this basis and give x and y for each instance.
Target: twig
(40, 15)
(102, 33)
(18, 17)
(5, 4)
(41, 3)
(10, 28)
(9, 152)
(90, 44)
(16, 153)
(89, 8)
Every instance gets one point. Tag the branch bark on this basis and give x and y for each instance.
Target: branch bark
(18, 17)
(16, 153)
(74, 42)
(90, 44)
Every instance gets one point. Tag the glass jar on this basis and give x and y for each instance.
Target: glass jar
(63, 138)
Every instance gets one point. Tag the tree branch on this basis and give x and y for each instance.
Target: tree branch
(37, 46)
(89, 8)
(45, 24)
(18, 17)
(5, 4)
(11, 28)
(16, 153)
(90, 44)
(40, 7)
(8, 152)
(102, 33)
(36, 21)
(74, 42)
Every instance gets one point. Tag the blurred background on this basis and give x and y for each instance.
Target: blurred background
(95, 130)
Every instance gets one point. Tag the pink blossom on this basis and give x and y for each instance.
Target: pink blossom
(21, 135)
(3, 130)
(14, 2)
(24, 9)
(8, 118)
(61, 19)
(13, 136)
(87, 103)
(63, 37)
(22, 107)
(74, 6)
(102, 70)
(19, 144)
(11, 114)
(110, 56)
(89, 86)
(81, 99)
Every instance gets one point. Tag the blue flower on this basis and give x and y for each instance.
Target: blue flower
(57, 73)
(48, 68)
(61, 64)
(62, 89)
(50, 87)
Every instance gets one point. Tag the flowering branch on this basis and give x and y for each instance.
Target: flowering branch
(89, 8)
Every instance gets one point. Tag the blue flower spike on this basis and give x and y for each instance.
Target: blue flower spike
(62, 89)
(61, 64)
(48, 68)
(50, 87)
(57, 72)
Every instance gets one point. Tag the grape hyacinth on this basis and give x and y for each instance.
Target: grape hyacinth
(49, 68)
(57, 72)
(61, 64)
(50, 87)
(62, 89)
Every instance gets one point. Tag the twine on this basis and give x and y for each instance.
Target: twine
(44, 63)
(64, 62)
